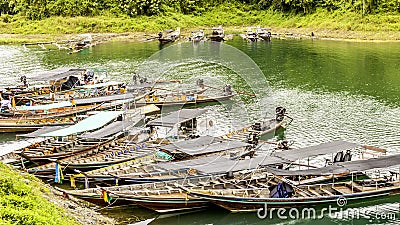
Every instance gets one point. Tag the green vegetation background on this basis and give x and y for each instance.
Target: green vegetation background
(77, 16)
(22, 201)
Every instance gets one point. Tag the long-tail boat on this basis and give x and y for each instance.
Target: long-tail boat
(261, 192)
(136, 172)
(160, 196)
(245, 190)
(264, 33)
(45, 154)
(169, 36)
(217, 34)
(181, 121)
(30, 118)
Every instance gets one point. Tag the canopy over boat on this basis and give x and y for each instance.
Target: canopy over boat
(45, 107)
(219, 164)
(13, 146)
(343, 167)
(204, 144)
(98, 85)
(111, 129)
(58, 74)
(148, 109)
(91, 123)
(177, 117)
(108, 98)
(43, 130)
(321, 149)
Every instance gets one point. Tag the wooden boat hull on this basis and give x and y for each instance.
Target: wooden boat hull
(41, 160)
(169, 204)
(216, 38)
(251, 38)
(166, 40)
(17, 127)
(111, 180)
(97, 200)
(268, 133)
(178, 103)
(233, 203)
(265, 37)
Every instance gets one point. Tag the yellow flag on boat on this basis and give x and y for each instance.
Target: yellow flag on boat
(13, 102)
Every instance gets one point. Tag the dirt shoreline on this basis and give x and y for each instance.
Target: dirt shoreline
(77, 208)
(296, 33)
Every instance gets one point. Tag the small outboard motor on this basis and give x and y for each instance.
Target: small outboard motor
(347, 156)
(328, 162)
(23, 80)
(252, 139)
(283, 144)
(280, 113)
(143, 80)
(200, 83)
(229, 175)
(256, 126)
(338, 157)
(228, 89)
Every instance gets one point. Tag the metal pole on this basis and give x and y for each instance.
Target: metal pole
(352, 180)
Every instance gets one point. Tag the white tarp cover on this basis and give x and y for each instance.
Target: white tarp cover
(45, 107)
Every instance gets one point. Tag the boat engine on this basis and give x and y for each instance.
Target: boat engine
(252, 139)
(228, 89)
(347, 156)
(283, 144)
(200, 83)
(280, 113)
(338, 157)
(256, 126)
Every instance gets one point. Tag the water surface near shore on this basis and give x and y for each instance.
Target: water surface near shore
(334, 90)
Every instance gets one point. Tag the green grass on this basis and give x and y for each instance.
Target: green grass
(22, 201)
(226, 14)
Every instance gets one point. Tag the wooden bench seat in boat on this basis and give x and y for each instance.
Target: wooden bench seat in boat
(312, 191)
(302, 193)
(262, 184)
(342, 189)
(326, 191)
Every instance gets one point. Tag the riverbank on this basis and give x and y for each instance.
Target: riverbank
(27, 200)
(279, 32)
(324, 24)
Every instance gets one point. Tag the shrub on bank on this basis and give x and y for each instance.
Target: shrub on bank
(22, 202)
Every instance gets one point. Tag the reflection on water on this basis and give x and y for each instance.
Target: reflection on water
(7, 137)
(376, 211)
(333, 90)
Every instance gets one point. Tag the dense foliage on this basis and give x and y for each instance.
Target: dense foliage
(39, 9)
(21, 201)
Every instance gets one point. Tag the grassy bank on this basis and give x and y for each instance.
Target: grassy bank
(22, 201)
(328, 24)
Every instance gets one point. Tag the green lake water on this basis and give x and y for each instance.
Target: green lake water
(333, 90)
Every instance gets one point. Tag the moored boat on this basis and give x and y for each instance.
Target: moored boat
(264, 33)
(251, 34)
(169, 36)
(217, 34)
(197, 36)
(286, 193)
